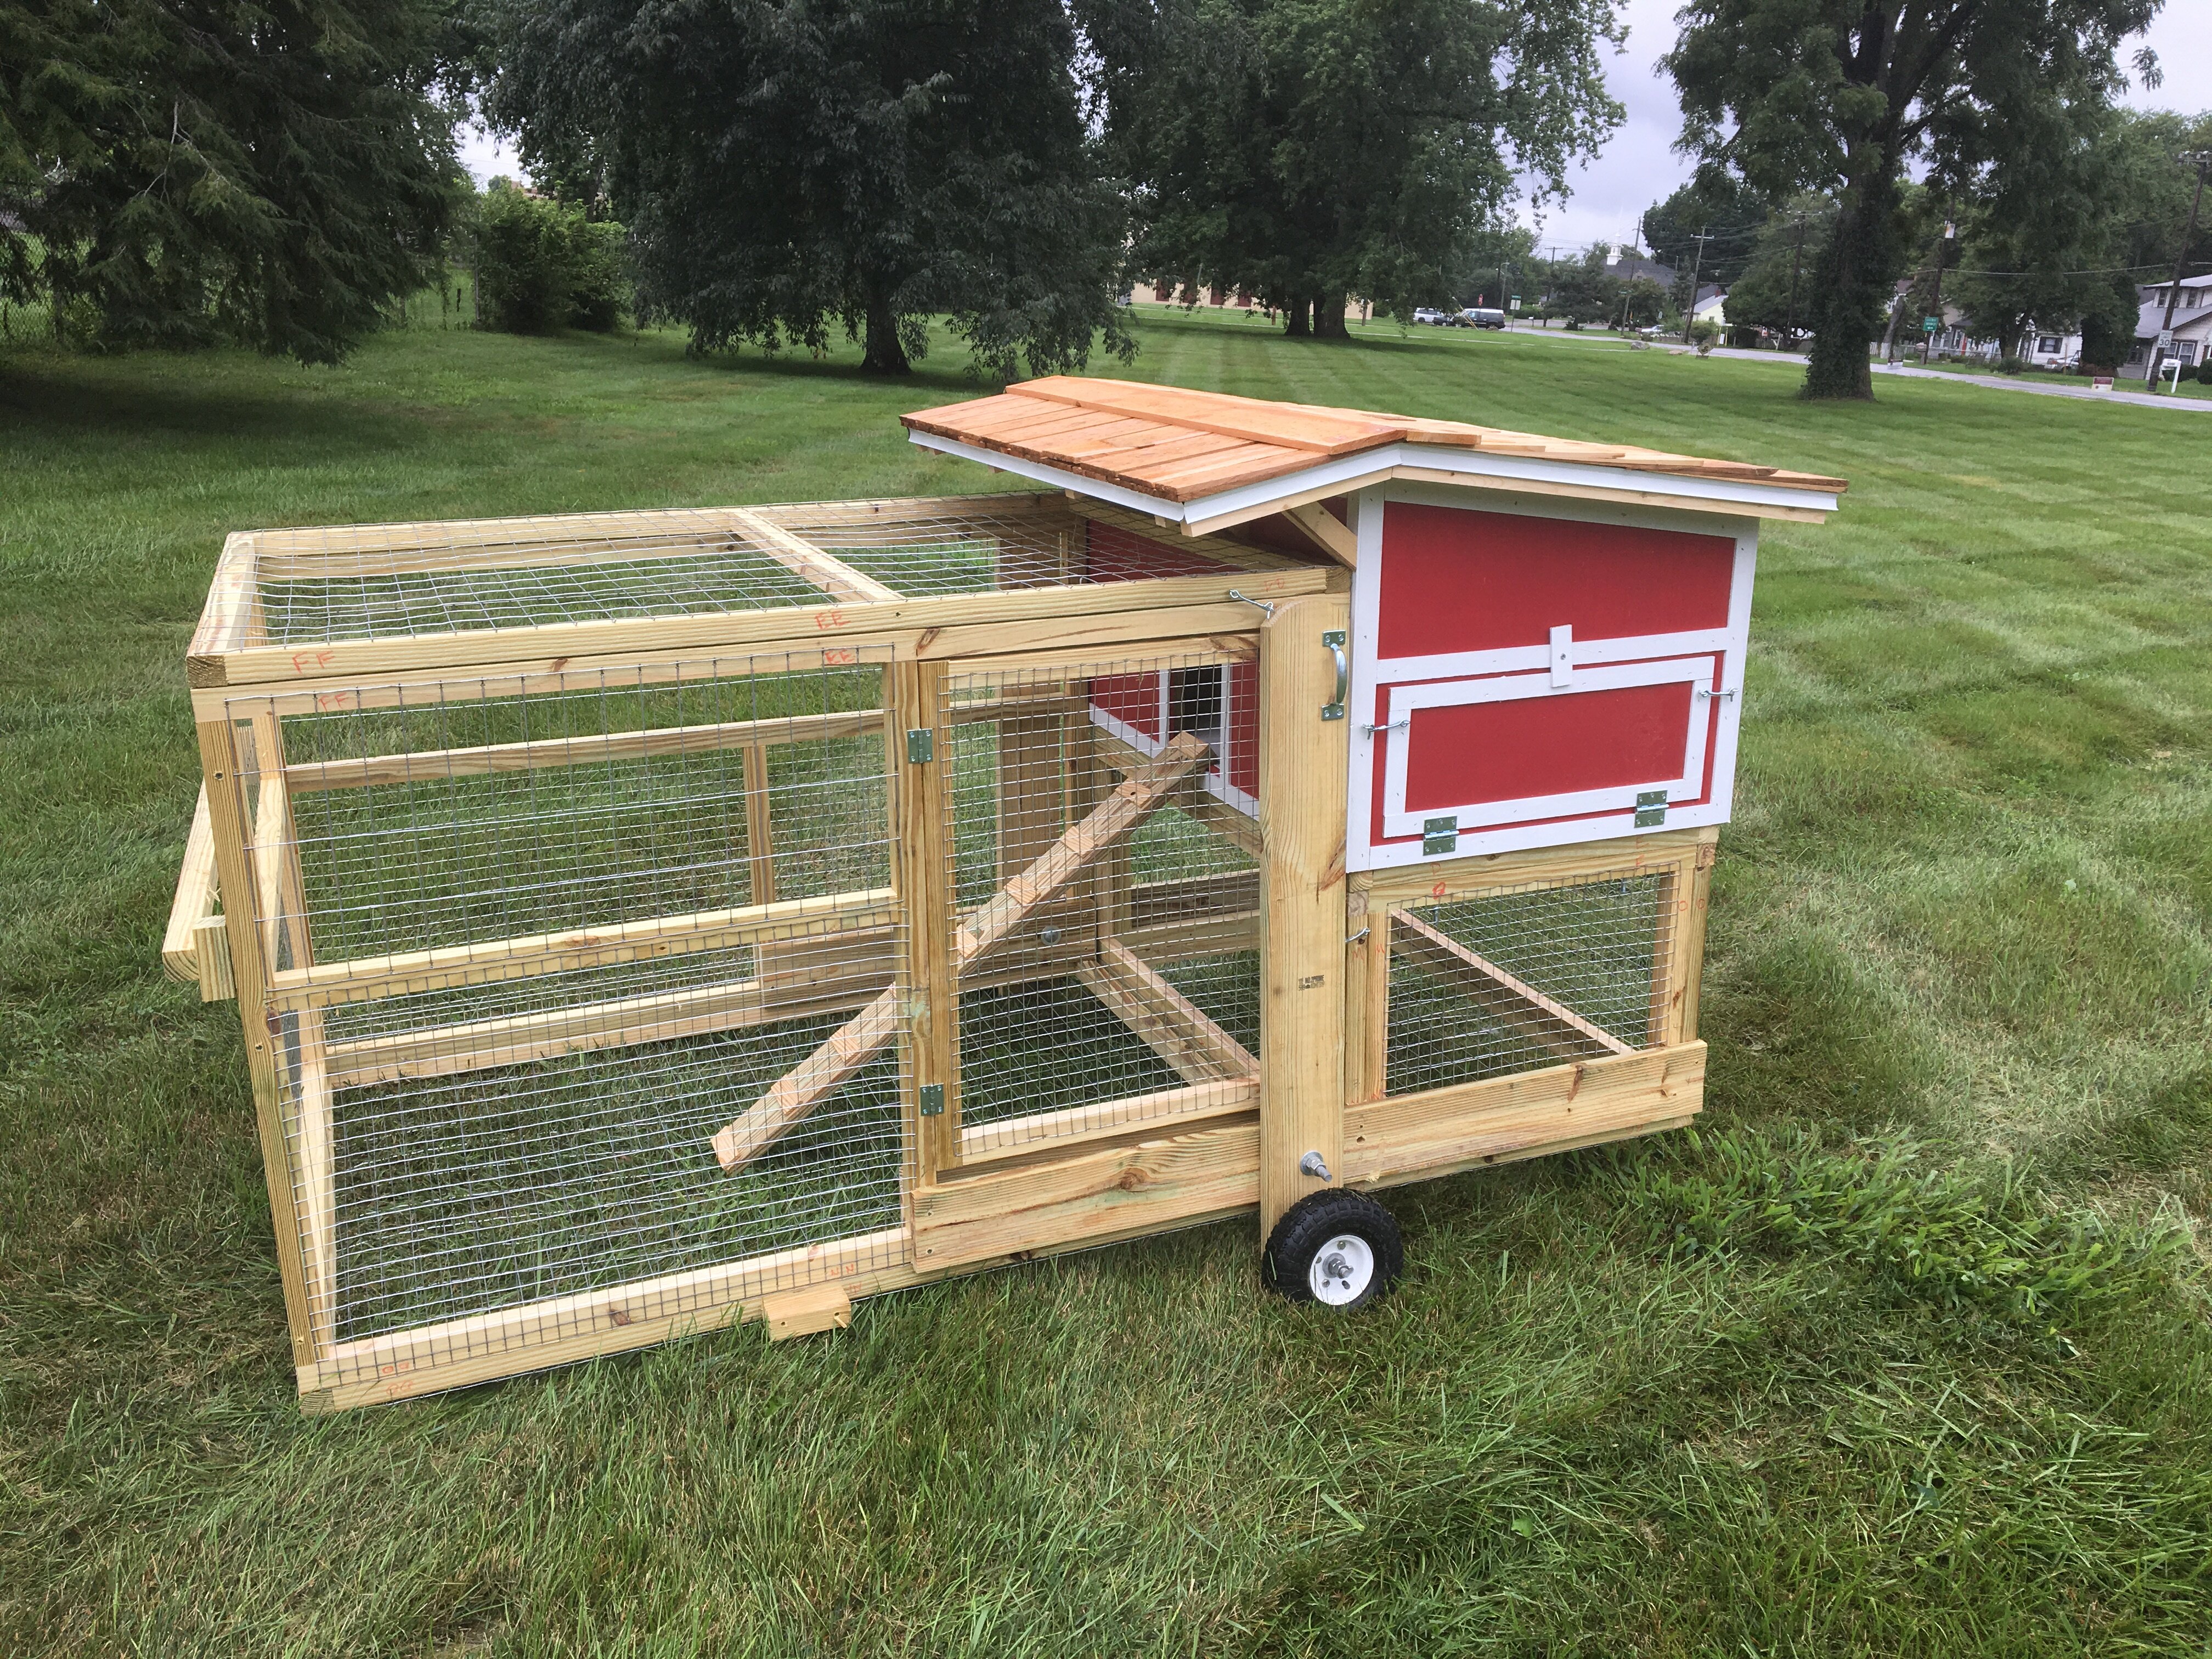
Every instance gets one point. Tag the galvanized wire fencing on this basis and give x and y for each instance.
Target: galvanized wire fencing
(1523, 978)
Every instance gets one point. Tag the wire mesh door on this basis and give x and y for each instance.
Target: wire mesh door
(1551, 970)
(1100, 863)
(536, 950)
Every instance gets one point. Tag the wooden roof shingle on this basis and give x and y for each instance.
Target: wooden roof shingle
(1175, 445)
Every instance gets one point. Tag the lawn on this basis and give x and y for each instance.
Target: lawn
(1903, 1352)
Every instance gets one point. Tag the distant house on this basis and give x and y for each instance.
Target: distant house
(1712, 305)
(2192, 323)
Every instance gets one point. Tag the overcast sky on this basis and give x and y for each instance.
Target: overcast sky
(1638, 166)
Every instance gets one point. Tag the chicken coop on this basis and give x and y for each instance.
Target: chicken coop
(641, 921)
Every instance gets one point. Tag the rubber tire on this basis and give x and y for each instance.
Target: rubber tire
(1286, 1264)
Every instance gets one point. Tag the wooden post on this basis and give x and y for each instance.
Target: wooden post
(1303, 763)
(1690, 945)
(760, 848)
(249, 973)
(920, 833)
(1366, 995)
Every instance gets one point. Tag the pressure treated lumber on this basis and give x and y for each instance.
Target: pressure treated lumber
(219, 764)
(1165, 1111)
(195, 900)
(1172, 1025)
(1411, 936)
(806, 1312)
(1467, 1125)
(810, 563)
(1324, 531)
(528, 955)
(1176, 1180)
(1303, 763)
(485, 760)
(622, 641)
(799, 1091)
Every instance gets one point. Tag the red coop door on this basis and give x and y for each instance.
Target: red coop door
(1528, 680)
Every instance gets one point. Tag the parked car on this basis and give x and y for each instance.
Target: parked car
(1425, 314)
(1481, 316)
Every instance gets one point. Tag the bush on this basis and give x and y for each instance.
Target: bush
(2010, 366)
(542, 265)
(1704, 334)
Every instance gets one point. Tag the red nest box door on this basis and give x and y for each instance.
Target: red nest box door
(1528, 679)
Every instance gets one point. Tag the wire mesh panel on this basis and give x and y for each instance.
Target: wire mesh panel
(1108, 892)
(532, 954)
(318, 585)
(1528, 977)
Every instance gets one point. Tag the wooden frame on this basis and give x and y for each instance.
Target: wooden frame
(889, 961)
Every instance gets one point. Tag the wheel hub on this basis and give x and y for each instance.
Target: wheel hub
(1342, 1270)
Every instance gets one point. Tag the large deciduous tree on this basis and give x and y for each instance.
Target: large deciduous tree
(1843, 95)
(1304, 150)
(785, 166)
(267, 170)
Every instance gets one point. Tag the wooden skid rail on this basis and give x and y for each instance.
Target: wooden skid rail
(799, 1091)
(1469, 1125)
(194, 949)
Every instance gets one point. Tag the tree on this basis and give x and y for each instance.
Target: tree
(1840, 95)
(1499, 262)
(1727, 211)
(1304, 150)
(1770, 289)
(274, 171)
(785, 166)
(1643, 302)
(1583, 294)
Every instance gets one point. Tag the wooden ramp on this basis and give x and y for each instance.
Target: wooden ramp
(818, 1076)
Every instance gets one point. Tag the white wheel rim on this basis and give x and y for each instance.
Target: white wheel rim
(1341, 1270)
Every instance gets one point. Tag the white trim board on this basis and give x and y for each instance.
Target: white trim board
(1688, 784)
(1343, 474)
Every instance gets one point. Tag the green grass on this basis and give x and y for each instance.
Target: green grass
(1905, 1353)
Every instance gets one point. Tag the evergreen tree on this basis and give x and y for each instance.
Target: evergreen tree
(1840, 95)
(1304, 150)
(275, 171)
(785, 165)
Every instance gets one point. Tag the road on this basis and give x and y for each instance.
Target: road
(2001, 382)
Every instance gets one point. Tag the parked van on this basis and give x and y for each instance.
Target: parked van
(1483, 317)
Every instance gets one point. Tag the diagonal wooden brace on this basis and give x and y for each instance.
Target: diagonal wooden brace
(1412, 937)
(815, 1079)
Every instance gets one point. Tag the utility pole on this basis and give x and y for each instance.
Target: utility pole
(1690, 311)
(1928, 341)
(2203, 159)
(1796, 254)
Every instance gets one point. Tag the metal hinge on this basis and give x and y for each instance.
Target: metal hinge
(931, 1098)
(921, 746)
(1650, 809)
(1439, 835)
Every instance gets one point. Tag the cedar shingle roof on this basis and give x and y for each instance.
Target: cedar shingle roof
(1179, 446)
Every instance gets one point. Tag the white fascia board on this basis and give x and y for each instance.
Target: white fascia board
(1366, 465)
